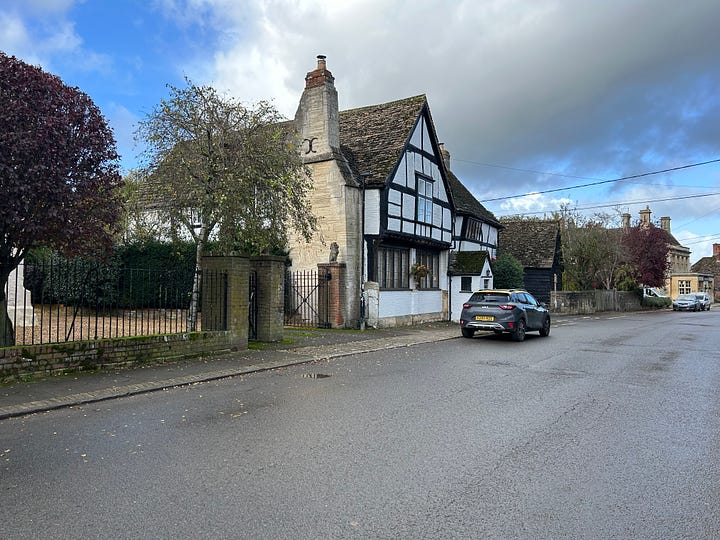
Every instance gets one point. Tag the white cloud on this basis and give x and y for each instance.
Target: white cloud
(14, 38)
(50, 34)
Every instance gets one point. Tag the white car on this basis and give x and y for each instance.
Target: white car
(703, 300)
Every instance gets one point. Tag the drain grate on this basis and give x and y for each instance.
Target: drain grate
(315, 375)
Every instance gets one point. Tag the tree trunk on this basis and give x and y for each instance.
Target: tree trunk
(192, 316)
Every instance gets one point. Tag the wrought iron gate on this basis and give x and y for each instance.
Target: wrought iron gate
(307, 299)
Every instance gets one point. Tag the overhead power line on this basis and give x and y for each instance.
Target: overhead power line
(623, 203)
(672, 169)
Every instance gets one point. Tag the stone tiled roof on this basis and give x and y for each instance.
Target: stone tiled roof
(532, 242)
(467, 262)
(466, 203)
(670, 239)
(372, 138)
(706, 265)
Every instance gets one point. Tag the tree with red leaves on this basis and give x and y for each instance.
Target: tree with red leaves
(647, 252)
(59, 175)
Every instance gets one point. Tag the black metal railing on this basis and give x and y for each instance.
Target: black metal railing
(62, 301)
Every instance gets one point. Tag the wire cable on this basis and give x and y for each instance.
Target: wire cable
(671, 169)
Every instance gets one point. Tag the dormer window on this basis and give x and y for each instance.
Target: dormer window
(424, 198)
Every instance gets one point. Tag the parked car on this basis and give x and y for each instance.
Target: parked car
(512, 311)
(704, 300)
(686, 302)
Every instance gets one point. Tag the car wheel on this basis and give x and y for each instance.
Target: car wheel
(519, 333)
(545, 330)
(466, 332)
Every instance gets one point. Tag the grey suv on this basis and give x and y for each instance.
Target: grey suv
(704, 301)
(514, 311)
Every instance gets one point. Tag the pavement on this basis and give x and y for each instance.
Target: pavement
(299, 345)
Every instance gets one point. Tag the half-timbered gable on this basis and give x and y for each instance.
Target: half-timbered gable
(417, 198)
(476, 228)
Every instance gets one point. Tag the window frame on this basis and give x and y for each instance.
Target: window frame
(424, 206)
(393, 268)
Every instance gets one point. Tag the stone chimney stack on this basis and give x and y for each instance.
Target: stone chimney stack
(318, 117)
(625, 220)
(665, 223)
(445, 156)
(716, 251)
(645, 217)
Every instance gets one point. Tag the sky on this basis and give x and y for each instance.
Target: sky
(603, 106)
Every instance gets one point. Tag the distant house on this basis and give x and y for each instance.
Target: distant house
(536, 244)
(710, 266)
(680, 278)
(384, 194)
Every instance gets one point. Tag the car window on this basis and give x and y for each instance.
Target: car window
(531, 299)
(489, 297)
(520, 297)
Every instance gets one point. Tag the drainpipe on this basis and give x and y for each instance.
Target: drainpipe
(363, 181)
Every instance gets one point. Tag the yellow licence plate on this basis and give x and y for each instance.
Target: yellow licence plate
(484, 318)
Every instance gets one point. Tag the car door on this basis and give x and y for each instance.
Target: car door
(530, 315)
(534, 311)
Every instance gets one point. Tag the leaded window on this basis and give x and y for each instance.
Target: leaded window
(393, 268)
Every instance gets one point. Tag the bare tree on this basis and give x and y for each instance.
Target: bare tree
(592, 250)
(224, 171)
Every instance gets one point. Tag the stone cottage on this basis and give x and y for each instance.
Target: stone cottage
(390, 207)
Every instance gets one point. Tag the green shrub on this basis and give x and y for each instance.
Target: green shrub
(140, 275)
(507, 272)
(655, 302)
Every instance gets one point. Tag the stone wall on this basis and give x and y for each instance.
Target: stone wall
(60, 358)
(586, 302)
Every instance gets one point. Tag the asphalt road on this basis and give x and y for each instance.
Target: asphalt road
(609, 428)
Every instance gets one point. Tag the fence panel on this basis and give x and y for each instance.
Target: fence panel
(305, 303)
(59, 301)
